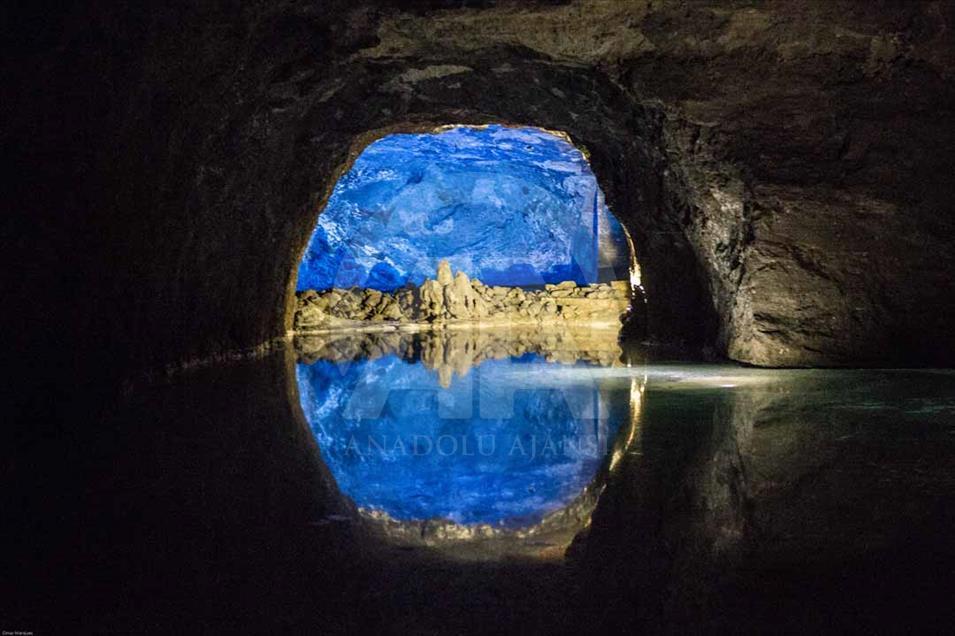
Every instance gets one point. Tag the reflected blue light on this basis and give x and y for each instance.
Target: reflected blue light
(507, 443)
(510, 206)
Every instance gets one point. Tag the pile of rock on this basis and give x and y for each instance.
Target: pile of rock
(453, 298)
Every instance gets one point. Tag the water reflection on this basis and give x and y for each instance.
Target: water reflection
(451, 352)
(731, 500)
(470, 431)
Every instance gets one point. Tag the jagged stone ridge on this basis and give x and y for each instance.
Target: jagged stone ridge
(456, 298)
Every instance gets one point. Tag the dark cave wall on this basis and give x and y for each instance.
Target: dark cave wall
(783, 167)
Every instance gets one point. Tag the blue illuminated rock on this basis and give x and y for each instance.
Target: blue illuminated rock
(509, 206)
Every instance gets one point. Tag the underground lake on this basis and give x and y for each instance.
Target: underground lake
(733, 496)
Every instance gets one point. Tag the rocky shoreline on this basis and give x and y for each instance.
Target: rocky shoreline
(454, 298)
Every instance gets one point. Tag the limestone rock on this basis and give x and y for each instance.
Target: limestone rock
(392, 312)
(432, 300)
(444, 274)
(457, 299)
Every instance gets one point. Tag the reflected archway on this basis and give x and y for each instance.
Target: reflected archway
(448, 273)
(509, 444)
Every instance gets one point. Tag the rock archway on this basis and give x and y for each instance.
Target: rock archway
(623, 144)
(781, 169)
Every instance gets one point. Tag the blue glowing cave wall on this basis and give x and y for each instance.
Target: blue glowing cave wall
(509, 206)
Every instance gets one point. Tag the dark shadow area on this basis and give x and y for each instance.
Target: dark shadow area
(740, 500)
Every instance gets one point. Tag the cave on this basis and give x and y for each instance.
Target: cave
(479, 316)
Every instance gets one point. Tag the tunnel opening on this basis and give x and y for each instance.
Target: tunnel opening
(492, 223)
(675, 304)
(448, 272)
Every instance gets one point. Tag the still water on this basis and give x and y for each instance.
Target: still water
(511, 431)
(675, 497)
(448, 427)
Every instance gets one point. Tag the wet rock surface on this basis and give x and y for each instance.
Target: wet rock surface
(455, 298)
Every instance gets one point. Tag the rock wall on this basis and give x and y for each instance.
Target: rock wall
(783, 168)
(802, 147)
(456, 298)
(511, 206)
